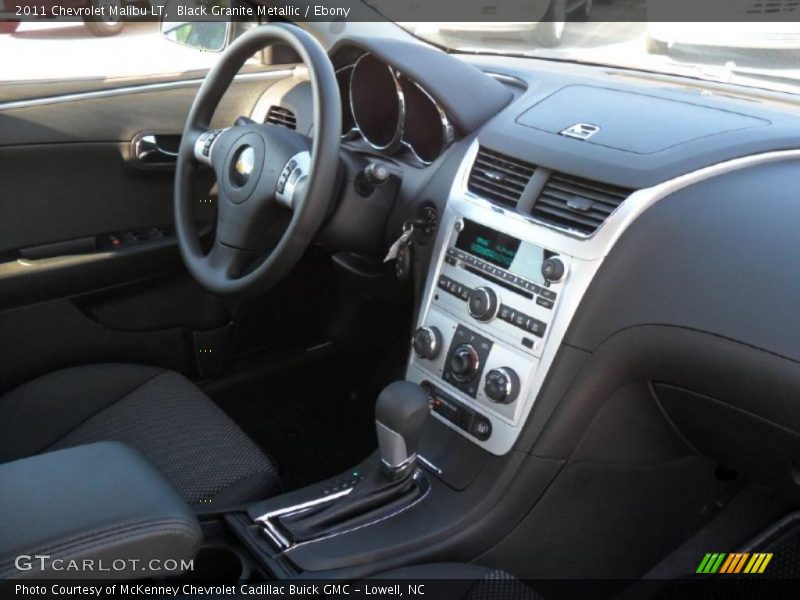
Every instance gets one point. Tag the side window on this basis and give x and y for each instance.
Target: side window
(50, 50)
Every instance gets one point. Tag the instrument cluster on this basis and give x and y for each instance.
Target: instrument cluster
(391, 113)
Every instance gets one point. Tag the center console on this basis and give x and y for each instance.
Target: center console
(500, 294)
(486, 324)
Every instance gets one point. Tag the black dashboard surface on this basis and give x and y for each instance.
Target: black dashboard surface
(739, 125)
(633, 121)
(719, 256)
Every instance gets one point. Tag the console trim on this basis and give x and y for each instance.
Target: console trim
(587, 255)
(285, 546)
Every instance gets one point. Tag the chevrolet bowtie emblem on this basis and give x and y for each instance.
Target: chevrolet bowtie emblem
(246, 162)
(243, 165)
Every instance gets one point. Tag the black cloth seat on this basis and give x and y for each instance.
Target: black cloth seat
(208, 458)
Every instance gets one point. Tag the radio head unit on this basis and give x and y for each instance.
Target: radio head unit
(502, 250)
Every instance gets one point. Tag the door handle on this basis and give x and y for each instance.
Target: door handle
(154, 149)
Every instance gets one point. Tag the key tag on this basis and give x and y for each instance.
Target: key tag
(402, 267)
(400, 251)
(408, 230)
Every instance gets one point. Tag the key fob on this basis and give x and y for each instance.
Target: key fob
(402, 266)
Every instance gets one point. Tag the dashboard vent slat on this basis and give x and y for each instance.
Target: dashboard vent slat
(278, 115)
(499, 178)
(577, 204)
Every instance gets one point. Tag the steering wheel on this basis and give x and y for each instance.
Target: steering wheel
(261, 170)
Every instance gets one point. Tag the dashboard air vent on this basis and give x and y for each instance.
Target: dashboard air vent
(577, 204)
(278, 115)
(499, 178)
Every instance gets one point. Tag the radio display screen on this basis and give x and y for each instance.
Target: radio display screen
(501, 250)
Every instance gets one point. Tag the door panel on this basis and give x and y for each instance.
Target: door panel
(117, 115)
(89, 266)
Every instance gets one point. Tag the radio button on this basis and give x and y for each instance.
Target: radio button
(505, 313)
(536, 327)
(549, 294)
(542, 301)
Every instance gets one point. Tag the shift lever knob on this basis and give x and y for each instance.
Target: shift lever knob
(400, 414)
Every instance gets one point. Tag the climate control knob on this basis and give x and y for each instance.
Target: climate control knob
(464, 363)
(427, 342)
(501, 385)
(482, 303)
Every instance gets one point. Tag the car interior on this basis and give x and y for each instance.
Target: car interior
(372, 308)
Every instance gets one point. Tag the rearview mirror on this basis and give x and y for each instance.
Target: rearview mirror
(206, 36)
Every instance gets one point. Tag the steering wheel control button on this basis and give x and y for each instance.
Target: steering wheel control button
(553, 269)
(203, 144)
(483, 303)
(293, 171)
(427, 342)
(465, 360)
(210, 137)
(501, 385)
(288, 171)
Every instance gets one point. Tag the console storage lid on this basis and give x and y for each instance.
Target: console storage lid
(100, 501)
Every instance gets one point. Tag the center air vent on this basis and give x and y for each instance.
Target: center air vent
(577, 204)
(278, 115)
(499, 178)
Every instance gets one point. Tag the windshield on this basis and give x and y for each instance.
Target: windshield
(764, 55)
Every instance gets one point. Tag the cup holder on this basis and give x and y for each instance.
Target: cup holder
(218, 563)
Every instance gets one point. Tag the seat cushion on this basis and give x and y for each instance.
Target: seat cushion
(465, 582)
(208, 458)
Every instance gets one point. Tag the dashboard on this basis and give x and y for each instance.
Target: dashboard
(578, 205)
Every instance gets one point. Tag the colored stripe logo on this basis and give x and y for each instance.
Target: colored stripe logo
(733, 563)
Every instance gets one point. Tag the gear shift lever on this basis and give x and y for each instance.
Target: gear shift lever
(400, 414)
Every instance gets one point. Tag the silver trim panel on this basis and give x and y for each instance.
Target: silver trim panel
(134, 89)
(286, 546)
(584, 257)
